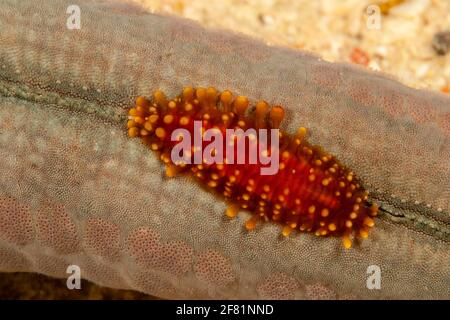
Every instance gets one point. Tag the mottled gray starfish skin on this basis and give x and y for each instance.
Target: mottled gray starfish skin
(64, 95)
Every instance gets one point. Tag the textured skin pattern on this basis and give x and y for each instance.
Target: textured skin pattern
(76, 190)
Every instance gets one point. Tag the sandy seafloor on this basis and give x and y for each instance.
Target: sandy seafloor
(336, 30)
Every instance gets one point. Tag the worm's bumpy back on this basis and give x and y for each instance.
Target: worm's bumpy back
(311, 190)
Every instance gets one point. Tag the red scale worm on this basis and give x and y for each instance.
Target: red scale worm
(311, 191)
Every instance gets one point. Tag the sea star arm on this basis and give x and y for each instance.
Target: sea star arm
(76, 190)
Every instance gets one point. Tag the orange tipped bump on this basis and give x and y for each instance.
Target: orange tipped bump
(311, 192)
(211, 95)
(346, 242)
(364, 233)
(240, 105)
(276, 115)
(172, 105)
(153, 118)
(160, 133)
(374, 210)
(200, 93)
(225, 99)
(133, 132)
(301, 133)
(262, 108)
(142, 102)
(171, 171)
(131, 124)
(148, 126)
(369, 222)
(232, 211)
(250, 224)
(160, 98)
(133, 112)
(139, 120)
(168, 119)
(184, 121)
(286, 231)
(188, 94)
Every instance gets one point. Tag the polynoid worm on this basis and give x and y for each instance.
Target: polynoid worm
(309, 190)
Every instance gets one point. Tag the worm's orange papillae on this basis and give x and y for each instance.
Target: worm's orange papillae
(310, 192)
